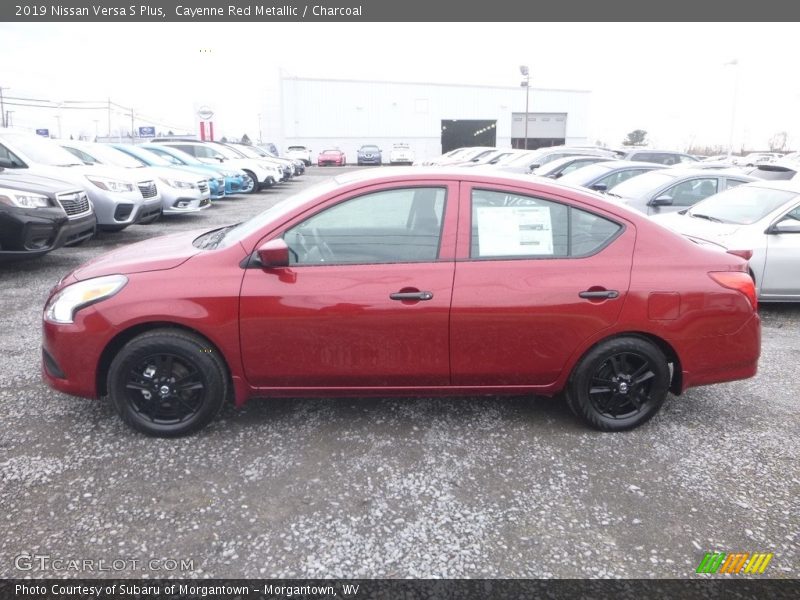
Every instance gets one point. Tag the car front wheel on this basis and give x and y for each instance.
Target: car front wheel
(167, 383)
(250, 183)
(619, 384)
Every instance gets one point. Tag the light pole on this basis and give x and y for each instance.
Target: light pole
(733, 63)
(526, 82)
(2, 106)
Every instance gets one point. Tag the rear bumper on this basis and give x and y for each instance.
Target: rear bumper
(722, 358)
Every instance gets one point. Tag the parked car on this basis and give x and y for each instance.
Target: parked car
(529, 161)
(754, 158)
(461, 155)
(250, 151)
(561, 166)
(603, 176)
(300, 152)
(762, 218)
(269, 147)
(369, 154)
(119, 197)
(778, 170)
(543, 288)
(181, 192)
(260, 173)
(235, 179)
(40, 214)
(670, 190)
(215, 180)
(661, 157)
(401, 154)
(333, 156)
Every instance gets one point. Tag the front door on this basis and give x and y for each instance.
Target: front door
(365, 301)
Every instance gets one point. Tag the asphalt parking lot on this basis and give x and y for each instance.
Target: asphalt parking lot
(453, 487)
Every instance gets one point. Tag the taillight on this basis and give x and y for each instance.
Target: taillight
(745, 254)
(739, 281)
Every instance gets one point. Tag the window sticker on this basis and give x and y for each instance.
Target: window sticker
(514, 230)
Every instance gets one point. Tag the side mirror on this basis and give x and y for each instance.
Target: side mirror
(661, 201)
(274, 254)
(786, 226)
(600, 187)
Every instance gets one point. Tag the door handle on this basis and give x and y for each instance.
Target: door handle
(598, 294)
(411, 296)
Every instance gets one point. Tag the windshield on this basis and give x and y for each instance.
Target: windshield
(643, 184)
(742, 205)
(227, 151)
(178, 156)
(522, 159)
(40, 150)
(148, 156)
(274, 213)
(249, 152)
(110, 156)
(588, 173)
(301, 148)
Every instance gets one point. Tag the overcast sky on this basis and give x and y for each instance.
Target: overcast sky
(667, 78)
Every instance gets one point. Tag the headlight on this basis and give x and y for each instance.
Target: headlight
(178, 183)
(111, 185)
(62, 307)
(23, 199)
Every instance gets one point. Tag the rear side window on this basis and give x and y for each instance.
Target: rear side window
(508, 225)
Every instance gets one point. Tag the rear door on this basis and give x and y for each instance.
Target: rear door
(535, 277)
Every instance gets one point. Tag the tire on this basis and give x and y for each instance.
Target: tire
(619, 384)
(247, 188)
(142, 377)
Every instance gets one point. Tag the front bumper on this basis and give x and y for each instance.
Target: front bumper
(29, 232)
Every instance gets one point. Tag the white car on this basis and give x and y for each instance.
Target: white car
(300, 152)
(761, 217)
(401, 154)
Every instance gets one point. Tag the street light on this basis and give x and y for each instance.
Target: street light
(523, 69)
(733, 63)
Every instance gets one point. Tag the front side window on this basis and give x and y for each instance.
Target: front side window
(509, 225)
(688, 193)
(12, 158)
(618, 177)
(393, 226)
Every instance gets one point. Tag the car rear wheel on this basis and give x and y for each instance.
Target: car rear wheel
(167, 383)
(619, 384)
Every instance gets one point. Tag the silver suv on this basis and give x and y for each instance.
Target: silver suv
(119, 199)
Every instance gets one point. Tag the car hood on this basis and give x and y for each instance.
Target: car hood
(179, 173)
(699, 228)
(77, 173)
(158, 254)
(35, 183)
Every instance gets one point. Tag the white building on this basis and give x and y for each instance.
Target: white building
(431, 117)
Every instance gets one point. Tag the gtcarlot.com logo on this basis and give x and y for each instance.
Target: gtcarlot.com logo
(46, 562)
(734, 563)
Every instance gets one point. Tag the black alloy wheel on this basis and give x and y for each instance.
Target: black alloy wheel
(167, 383)
(619, 384)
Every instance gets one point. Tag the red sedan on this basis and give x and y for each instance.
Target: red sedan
(422, 282)
(331, 157)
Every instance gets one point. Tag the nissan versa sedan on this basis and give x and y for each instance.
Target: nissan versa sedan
(406, 281)
(759, 220)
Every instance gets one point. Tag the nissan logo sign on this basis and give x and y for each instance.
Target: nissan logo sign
(205, 113)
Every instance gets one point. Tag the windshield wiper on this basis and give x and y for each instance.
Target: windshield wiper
(707, 217)
(211, 240)
(613, 194)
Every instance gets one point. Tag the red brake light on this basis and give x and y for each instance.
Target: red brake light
(745, 254)
(739, 281)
